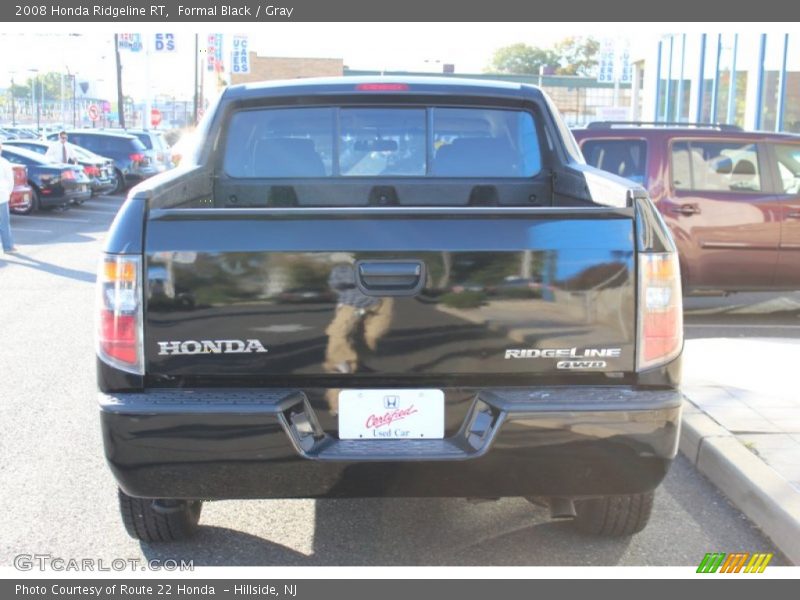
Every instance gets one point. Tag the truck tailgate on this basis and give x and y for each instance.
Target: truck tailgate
(245, 295)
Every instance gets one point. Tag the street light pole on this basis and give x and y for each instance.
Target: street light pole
(41, 96)
(33, 95)
(74, 100)
(120, 97)
(13, 105)
(73, 77)
(196, 55)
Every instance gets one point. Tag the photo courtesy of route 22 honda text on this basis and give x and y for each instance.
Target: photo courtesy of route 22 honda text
(397, 288)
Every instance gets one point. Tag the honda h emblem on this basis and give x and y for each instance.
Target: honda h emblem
(391, 401)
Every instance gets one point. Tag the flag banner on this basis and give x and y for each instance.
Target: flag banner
(240, 58)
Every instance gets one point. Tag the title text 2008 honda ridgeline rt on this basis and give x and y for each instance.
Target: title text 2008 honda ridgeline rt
(407, 287)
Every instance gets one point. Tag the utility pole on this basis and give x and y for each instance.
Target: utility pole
(34, 103)
(148, 101)
(120, 97)
(74, 100)
(196, 56)
(13, 106)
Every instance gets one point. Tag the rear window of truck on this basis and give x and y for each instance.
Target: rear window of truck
(342, 142)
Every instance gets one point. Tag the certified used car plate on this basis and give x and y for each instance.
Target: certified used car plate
(391, 414)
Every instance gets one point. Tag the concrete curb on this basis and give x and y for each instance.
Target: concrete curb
(753, 486)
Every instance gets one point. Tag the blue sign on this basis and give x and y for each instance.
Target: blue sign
(165, 42)
(240, 58)
(130, 41)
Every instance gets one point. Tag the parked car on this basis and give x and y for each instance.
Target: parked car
(158, 150)
(131, 163)
(21, 200)
(323, 350)
(20, 133)
(99, 169)
(52, 184)
(730, 197)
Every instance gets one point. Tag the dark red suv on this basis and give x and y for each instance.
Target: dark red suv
(731, 198)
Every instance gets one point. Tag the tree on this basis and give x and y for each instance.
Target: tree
(577, 56)
(570, 56)
(521, 59)
(50, 83)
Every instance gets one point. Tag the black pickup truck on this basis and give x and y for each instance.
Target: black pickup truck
(403, 288)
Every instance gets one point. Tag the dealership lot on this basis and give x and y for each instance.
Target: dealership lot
(60, 495)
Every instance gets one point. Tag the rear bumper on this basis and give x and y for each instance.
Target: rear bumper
(21, 198)
(217, 444)
(139, 174)
(103, 186)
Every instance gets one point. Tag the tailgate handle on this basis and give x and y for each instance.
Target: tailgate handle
(390, 277)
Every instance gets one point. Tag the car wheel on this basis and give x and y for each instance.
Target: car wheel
(614, 516)
(35, 203)
(120, 188)
(152, 520)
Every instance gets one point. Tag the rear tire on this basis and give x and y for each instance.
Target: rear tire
(158, 521)
(614, 516)
(120, 182)
(36, 205)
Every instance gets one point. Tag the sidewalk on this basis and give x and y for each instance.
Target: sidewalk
(741, 428)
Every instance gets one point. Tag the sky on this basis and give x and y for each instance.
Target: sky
(379, 46)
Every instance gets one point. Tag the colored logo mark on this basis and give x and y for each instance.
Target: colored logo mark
(744, 562)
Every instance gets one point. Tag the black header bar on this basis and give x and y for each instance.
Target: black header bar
(262, 11)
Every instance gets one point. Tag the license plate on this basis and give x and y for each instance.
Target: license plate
(391, 414)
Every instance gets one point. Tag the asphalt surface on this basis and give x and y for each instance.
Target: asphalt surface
(58, 497)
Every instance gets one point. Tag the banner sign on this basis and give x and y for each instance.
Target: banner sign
(240, 57)
(165, 42)
(130, 41)
(214, 49)
(606, 64)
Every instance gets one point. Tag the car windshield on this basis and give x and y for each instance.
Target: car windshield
(145, 139)
(23, 156)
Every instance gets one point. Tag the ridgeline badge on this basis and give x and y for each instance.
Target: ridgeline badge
(564, 353)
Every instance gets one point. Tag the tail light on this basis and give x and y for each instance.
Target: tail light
(136, 157)
(20, 175)
(91, 170)
(661, 309)
(119, 312)
(382, 87)
(67, 175)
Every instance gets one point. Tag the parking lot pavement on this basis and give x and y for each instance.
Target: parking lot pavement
(57, 494)
(742, 423)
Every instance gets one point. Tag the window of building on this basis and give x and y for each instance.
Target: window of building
(791, 101)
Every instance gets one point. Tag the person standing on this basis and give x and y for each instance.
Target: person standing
(61, 151)
(6, 187)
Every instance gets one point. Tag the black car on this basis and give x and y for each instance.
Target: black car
(131, 163)
(157, 147)
(52, 184)
(395, 288)
(99, 169)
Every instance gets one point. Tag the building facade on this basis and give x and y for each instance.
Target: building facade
(268, 68)
(747, 79)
